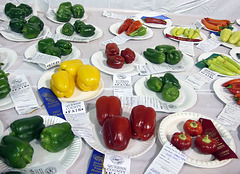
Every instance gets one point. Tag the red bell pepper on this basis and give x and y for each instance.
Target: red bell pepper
(205, 144)
(111, 49)
(117, 132)
(192, 127)
(181, 140)
(106, 107)
(116, 61)
(143, 122)
(155, 21)
(128, 55)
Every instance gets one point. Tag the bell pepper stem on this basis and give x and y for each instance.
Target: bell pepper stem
(193, 124)
(206, 139)
(183, 136)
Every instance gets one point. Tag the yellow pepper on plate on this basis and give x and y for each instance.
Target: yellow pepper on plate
(62, 84)
(88, 78)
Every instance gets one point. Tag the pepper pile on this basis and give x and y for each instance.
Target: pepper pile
(163, 53)
(4, 85)
(21, 11)
(234, 87)
(215, 24)
(227, 35)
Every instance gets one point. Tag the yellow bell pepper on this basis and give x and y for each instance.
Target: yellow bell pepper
(88, 78)
(71, 66)
(62, 84)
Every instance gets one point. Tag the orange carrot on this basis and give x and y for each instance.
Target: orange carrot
(134, 26)
(125, 25)
(211, 26)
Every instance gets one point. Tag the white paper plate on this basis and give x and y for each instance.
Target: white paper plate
(51, 15)
(135, 147)
(1, 128)
(99, 59)
(114, 30)
(238, 21)
(169, 29)
(233, 52)
(66, 157)
(77, 38)
(186, 99)
(33, 49)
(8, 57)
(174, 123)
(78, 95)
(18, 37)
(226, 44)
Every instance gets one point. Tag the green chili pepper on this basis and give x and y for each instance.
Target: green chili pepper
(218, 68)
(63, 15)
(87, 30)
(154, 56)
(170, 92)
(43, 44)
(67, 29)
(77, 11)
(17, 24)
(238, 55)
(64, 46)
(139, 32)
(170, 78)
(165, 48)
(173, 57)
(154, 84)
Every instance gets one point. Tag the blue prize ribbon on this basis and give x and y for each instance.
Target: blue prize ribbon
(96, 163)
(51, 102)
(157, 17)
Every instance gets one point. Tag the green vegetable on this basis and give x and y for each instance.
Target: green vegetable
(7, 8)
(54, 51)
(186, 32)
(154, 84)
(165, 48)
(139, 32)
(87, 30)
(17, 24)
(37, 21)
(238, 55)
(154, 56)
(16, 152)
(225, 34)
(57, 137)
(173, 57)
(64, 46)
(77, 11)
(27, 129)
(179, 31)
(43, 44)
(63, 15)
(231, 61)
(4, 88)
(174, 31)
(67, 5)
(223, 62)
(12, 172)
(78, 24)
(30, 31)
(28, 10)
(234, 38)
(170, 92)
(67, 29)
(191, 32)
(16, 13)
(219, 68)
(170, 78)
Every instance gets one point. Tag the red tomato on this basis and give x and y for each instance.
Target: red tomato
(193, 128)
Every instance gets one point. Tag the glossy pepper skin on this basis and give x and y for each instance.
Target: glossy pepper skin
(181, 141)
(128, 55)
(64, 46)
(16, 13)
(193, 128)
(165, 48)
(7, 7)
(17, 24)
(4, 88)
(170, 92)
(63, 15)
(87, 30)
(68, 29)
(115, 62)
(125, 25)
(170, 78)
(173, 57)
(117, 133)
(30, 31)
(67, 5)
(134, 26)
(77, 11)
(155, 21)
(44, 44)
(225, 34)
(139, 32)
(107, 107)
(111, 49)
(154, 84)
(56, 137)
(37, 21)
(78, 24)
(54, 51)
(16, 152)
(62, 84)
(28, 9)
(88, 78)
(154, 56)
(143, 122)
(205, 144)
(27, 129)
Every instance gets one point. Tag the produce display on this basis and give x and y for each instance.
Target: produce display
(4, 85)
(21, 11)
(216, 24)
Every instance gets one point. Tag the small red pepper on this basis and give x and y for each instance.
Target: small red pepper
(211, 26)
(234, 90)
(125, 25)
(155, 21)
(181, 140)
(205, 144)
(117, 132)
(116, 61)
(106, 107)
(218, 22)
(111, 49)
(134, 26)
(231, 82)
(237, 97)
(143, 122)
(234, 85)
(192, 127)
(183, 38)
(128, 55)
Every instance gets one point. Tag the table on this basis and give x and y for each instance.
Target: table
(207, 102)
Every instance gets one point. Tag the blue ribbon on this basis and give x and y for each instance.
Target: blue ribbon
(157, 17)
(96, 163)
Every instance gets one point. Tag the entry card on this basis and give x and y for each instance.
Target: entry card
(122, 85)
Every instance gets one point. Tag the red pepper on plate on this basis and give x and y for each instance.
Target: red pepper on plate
(205, 144)
(111, 49)
(234, 85)
(116, 61)
(192, 127)
(234, 90)
(134, 26)
(143, 122)
(155, 21)
(125, 25)
(106, 107)
(218, 22)
(128, 55)
(230, 82)
(237, 97)
(117, 132)
(181, 140)
(183, 38)
(211, 26)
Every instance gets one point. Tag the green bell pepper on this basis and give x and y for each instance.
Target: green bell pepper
(164, 48)
(12, 172)
(68, 29)
(64, 46)
(3, 74)
(170, 92)
(87, 30)
(16, 152)
(37, 21)
(173, 57)
(139, 32)
(77, 25)
(77, 11)
(57, 137)
(30, 31)
(27, 129)
(28, 9)
(16, 13)
(8, 7)
(54, 51)
(4, 88)
(43, 44)
(17, 24)
(170, 78)
(67, 5)
(154, 84)
(63, 15)
(154, 56)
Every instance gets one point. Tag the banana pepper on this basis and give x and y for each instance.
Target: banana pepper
(88, 78)
(62, 84)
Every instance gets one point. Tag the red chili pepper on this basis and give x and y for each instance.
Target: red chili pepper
(106, 107)
(111, 49)
(128, 55)
(205, 144)
(231, 82)
(234, 90)
(211, 26)
(234, 85)
(192, 127)
(125, 25)
(181, 140)
(155, 21)
(237, 97)
(218, 22)
(134, 26)
(143, 122)
(116, 61)
(183, 38)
